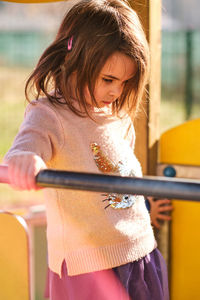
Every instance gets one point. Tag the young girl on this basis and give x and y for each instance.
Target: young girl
(87, 83)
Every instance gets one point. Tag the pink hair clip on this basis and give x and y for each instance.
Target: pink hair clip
(69, 43)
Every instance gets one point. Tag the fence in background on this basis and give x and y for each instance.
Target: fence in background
(180, 59)
(181, 67)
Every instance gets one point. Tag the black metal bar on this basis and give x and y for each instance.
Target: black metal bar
(148, 186)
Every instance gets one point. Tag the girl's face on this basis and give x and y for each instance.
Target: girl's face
(118, 69)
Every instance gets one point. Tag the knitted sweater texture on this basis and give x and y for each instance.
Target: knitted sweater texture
(79, 228)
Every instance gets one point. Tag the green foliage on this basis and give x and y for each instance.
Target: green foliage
(12, 104)
(12, 107)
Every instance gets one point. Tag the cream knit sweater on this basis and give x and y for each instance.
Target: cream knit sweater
(79, 228)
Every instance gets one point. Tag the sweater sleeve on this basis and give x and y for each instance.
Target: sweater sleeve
(41, 133)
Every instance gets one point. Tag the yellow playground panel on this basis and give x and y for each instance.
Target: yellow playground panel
(14, 258)
(33, 1)
(23, 253)
(180, 148)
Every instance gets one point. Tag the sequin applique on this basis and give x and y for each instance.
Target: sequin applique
(116, 201)
(119, 201)
(103, 163)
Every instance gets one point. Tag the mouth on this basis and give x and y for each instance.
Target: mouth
(106, 102)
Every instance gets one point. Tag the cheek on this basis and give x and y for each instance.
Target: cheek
(100, 90)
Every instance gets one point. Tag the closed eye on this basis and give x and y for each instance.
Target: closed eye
(110, 80)
(107, 80)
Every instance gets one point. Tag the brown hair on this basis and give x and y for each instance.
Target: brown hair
(99, 28)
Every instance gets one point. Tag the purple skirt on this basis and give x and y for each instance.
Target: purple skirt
(145, 279)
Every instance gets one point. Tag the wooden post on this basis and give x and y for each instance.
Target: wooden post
(147, 123)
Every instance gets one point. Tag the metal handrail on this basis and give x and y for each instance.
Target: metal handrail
(161, 187)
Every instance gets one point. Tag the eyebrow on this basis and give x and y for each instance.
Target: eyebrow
(110, 76)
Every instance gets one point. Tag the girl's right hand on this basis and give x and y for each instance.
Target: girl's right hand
(22, 169)
(159, 211)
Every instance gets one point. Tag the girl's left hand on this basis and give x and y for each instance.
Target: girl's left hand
(158, 208)
(22, 169)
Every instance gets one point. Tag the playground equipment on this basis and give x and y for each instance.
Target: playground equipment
(23, 253)
(14, 258)
(184, 238)
(147, 186)
(180, 149)
(32, 1)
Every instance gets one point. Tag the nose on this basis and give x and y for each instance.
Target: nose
(116, 91)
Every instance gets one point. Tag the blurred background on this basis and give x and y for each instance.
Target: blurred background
(180, 90)
(26, 30)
